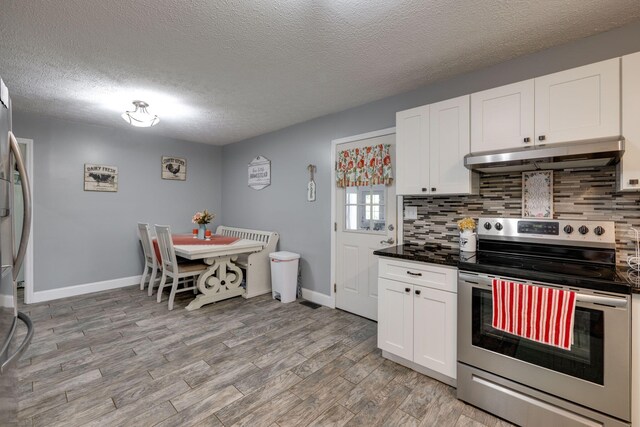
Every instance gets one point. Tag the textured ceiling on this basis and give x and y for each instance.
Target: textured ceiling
(219, 71)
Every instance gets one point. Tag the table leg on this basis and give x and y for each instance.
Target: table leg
(220, 281)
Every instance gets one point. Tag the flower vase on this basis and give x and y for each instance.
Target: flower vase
(202, 228)
(468, 241)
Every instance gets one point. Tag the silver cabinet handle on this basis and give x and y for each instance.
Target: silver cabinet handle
(25, 343)
(26, 216)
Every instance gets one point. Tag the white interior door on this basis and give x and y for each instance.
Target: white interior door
(365, 221)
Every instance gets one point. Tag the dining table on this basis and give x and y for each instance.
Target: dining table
(223, 278)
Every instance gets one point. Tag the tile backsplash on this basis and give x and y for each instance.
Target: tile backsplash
(589, 194)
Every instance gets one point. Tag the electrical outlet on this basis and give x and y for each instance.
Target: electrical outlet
(411, 212)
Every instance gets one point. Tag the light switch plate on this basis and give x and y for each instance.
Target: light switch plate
(411, 212)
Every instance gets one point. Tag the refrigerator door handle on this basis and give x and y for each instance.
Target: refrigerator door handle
(25, 343)
(26, 195)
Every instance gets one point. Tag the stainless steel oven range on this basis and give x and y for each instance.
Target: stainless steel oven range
(533, 384)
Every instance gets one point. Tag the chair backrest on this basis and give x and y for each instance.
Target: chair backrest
(165, 244)
(147, 244)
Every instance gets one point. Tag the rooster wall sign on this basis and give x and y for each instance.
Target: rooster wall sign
(100, 178)
(174, 168)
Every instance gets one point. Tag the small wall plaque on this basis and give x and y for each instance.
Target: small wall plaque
(259, 173)
(100, 178)
(174, 168)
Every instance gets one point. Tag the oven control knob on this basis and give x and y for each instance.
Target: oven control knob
(599, 231)
(498, 226)
(583, 229)
(487, 226)
(568, 229)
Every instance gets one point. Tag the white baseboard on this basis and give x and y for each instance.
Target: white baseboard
(318, 298)
(87, 288)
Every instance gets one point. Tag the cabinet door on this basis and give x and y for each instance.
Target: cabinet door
(502, 117)
(449, 143)
(395, 318)
(581, 103)
(434, 336)
(629, 167)
(412, 151)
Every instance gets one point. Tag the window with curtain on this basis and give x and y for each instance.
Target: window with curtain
(364, 166)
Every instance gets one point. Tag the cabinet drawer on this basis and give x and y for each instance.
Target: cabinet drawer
(418, 273)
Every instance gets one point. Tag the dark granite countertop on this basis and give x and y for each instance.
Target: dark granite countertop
(430, 253)
(632, 277)
(451, 256)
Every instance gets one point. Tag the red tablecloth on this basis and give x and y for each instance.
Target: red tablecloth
(187, 239)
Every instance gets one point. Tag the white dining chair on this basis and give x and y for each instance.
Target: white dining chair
(171, 269)
(150, 260)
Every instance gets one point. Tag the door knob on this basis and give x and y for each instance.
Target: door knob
(389, 241)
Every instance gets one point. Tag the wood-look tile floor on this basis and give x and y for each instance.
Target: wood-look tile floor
(117, 358)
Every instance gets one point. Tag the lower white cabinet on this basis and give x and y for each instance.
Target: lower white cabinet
(395, 317)
(417, 322)
(434, 330)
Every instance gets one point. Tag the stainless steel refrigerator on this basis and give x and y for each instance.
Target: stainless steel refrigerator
(13, 342)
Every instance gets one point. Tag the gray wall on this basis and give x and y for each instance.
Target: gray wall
(305, 227)
(84, 237)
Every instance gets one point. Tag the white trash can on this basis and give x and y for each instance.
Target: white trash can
(284, 275)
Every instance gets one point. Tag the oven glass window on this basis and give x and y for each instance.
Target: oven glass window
(585, 360)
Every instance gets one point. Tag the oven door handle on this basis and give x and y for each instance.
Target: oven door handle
(596, 299)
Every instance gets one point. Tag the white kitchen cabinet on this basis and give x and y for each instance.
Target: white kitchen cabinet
(448, 144)
(576, 104)
(434, 334)
(395, 317)
(412, 151)
(502, 118)
(431, 142)
(629, 167)
(417, 305)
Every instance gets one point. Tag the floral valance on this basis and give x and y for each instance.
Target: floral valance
(364, 166)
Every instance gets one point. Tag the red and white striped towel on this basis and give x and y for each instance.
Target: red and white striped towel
(540, 314)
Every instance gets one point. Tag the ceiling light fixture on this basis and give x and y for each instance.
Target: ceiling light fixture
(140, 117)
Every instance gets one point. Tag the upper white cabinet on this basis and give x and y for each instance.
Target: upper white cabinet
(448, 144)
(412, 151)
(581, 103)
(502, 117)
(431, 142)
(629, 166)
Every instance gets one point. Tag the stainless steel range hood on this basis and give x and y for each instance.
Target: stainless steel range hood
(568, 155)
